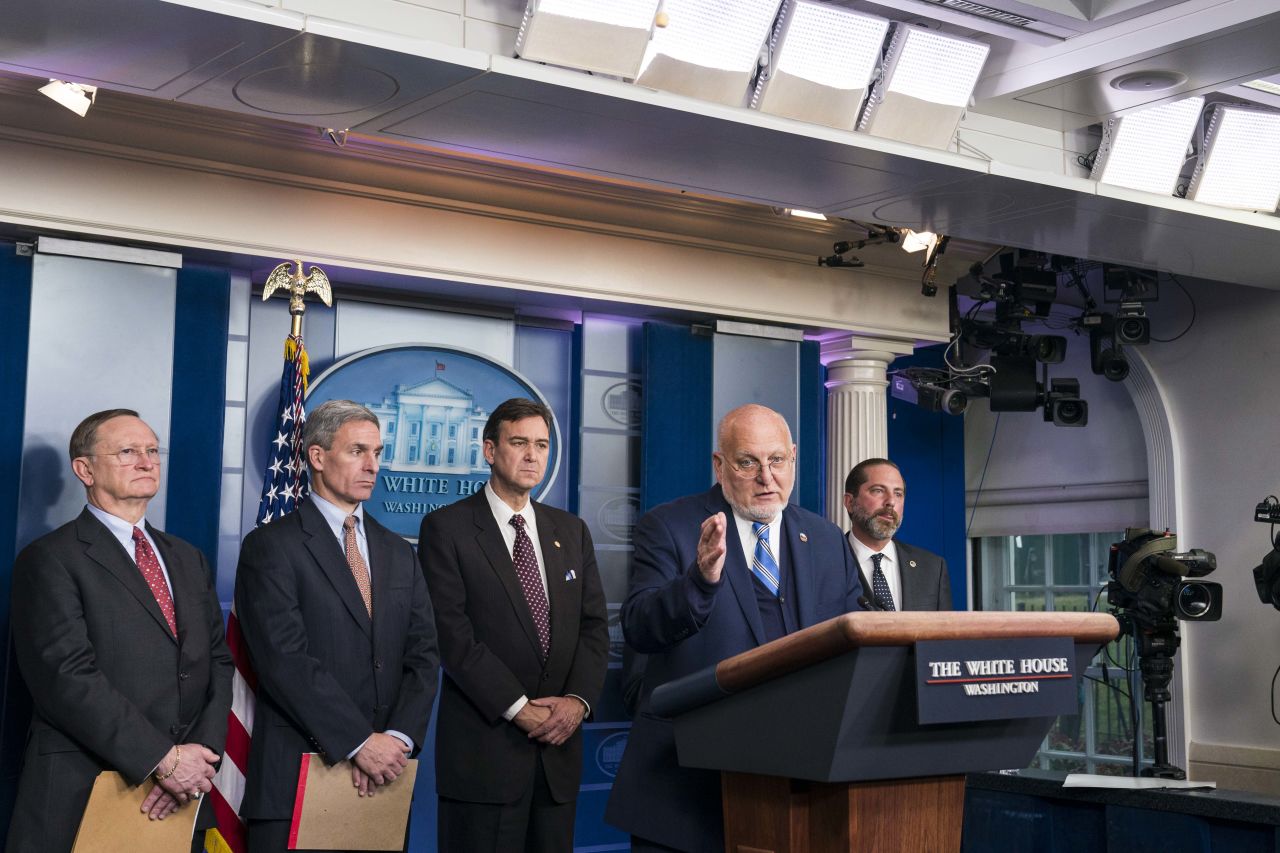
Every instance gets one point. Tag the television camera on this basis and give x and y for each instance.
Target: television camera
(1154, 585)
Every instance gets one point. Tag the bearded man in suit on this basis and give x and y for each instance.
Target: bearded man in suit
(897, 576)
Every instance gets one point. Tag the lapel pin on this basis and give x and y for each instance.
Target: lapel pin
(911, 563)
(557, 543)
(804, 537)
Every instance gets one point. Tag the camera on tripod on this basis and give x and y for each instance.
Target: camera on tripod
(1150, 579)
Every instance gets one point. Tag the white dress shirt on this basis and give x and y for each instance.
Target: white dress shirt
(123, 533)
(889, 566)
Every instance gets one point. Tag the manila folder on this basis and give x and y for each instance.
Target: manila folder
(330, 814)
(113, 821)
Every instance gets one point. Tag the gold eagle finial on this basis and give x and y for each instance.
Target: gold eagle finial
(297, 285)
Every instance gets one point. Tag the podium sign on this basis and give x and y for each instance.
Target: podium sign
(960, 681)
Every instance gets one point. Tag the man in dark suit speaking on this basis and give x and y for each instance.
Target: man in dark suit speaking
(898, 576)
(524, 644)
(714, 575)
(118, 633)
(339, 628)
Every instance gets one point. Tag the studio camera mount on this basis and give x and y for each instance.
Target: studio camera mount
(1152, 587)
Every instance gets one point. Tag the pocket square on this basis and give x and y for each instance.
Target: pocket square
(570, 575)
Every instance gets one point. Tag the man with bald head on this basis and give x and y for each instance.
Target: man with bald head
(713, 575)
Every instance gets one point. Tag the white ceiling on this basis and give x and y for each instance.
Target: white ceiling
(1054, 72)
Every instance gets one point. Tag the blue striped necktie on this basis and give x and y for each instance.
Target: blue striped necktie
(764, 566)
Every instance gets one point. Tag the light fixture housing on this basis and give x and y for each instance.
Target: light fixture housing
(76, 97)
(916, 241)
(924, 87)
(1146, 149)
(823, 60)
(1239, 167)
(710, 49)
(591, 35)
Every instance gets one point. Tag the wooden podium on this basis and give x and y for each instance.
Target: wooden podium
(817, 739)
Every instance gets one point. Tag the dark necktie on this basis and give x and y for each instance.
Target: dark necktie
(880, 586)
(359, 568)
(154, 576)
(535, 596)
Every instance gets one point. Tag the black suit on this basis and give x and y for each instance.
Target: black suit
(923, 574)
(112, 688)
(328, 675)
(491, 654)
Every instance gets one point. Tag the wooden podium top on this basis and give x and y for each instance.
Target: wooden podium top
(871, 628)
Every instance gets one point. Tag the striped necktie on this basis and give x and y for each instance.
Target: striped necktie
(764, 566)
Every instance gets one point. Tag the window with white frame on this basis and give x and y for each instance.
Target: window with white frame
(1065, 572)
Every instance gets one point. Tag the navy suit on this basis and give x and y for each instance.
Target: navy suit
(653, 797)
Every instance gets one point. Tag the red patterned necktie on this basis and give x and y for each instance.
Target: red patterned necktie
(145, 557)
(526, 564)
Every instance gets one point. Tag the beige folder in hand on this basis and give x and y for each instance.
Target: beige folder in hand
(330, 814)
(113, 821)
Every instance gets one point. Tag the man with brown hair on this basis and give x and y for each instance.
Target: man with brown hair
(524, 645)
(119, 636)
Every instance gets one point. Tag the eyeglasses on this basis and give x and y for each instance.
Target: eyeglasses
(128, 456)
(750, 467)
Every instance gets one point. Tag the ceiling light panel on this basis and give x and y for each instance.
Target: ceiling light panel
(602, 36)
(1146, 150)
(823, 61)
(925, 86)
(1239, 167)
(709, 49)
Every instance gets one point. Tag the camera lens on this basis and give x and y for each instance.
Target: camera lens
(1194, 600)
(1070, 411)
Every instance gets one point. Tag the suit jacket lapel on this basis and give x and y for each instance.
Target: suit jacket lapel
(490, 541)
(908, 577)
(327, 553)
(104, 549)
(379, 563)
(801, 567)
(736, 572)
(554, 563)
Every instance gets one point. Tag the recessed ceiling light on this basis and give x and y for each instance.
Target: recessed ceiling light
(76, 97)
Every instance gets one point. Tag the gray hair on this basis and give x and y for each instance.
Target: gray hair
(323, 423)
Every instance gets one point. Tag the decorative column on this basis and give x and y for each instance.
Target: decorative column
(857, 412)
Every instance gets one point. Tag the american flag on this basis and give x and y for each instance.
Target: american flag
(284, 486)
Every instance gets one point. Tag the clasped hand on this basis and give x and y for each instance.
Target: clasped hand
(188, 771)
(381, 760)
(551, 719)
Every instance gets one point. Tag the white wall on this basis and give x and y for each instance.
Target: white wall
(1048, 479)
(1222, 399)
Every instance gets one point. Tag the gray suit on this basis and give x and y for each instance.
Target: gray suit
(113, 689)
(925, 583)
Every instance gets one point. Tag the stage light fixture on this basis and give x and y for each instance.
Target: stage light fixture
(806, 214)
(823, 60)
(605, 38)
(916, 241)
(1239, 167)
(709, 50)
(76, 97)
(924, 87)
(1145, 150)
